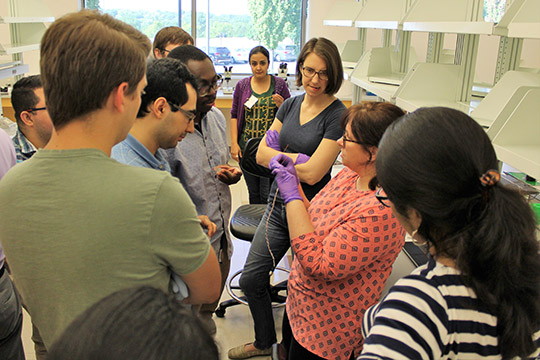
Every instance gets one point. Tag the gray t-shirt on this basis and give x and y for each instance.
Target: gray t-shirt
(305, 139)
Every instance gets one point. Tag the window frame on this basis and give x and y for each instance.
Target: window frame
(303, 16)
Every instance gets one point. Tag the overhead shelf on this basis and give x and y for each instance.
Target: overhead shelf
(343, 13)
(429, 84)
(521, 20)
(11, 49)
(453, 27)
(503, 98)
(446, 16)
(13, 70)
(382, 14)
(350, 55)
(516, 141)
(25, 20)
(376, 72)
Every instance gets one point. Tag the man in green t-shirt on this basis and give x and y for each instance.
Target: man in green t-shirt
(77, 225)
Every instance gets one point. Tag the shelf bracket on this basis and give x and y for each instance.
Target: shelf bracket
(435, 46)
(508, 57)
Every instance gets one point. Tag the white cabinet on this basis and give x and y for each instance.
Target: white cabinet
(25, 25)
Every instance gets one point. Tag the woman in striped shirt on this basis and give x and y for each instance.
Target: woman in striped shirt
(479, 295)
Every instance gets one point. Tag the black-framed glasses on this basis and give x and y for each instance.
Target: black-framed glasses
(190, 114)
(165, 51)
(346, 139)
(37, 109)
(381, 196)
(204, 88)
(310, 73)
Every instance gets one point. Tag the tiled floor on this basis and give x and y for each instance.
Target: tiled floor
(236, 327)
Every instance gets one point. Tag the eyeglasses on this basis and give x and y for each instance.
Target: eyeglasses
(310, 73)
(381, 196)
(189, 114)
(205, 87)
(346, 139)
(37, 109)
(165, 51)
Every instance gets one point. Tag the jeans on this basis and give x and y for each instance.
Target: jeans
(258, 188)
(10, 320)
(255, 280)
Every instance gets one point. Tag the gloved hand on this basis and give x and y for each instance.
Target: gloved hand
(272, 139)
(282, 166)
(302, 159)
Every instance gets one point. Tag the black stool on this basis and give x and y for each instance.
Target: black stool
(244, 223)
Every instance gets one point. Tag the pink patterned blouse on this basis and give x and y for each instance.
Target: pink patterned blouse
(340, 269)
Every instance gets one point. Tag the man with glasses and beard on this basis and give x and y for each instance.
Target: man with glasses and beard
(200, 162)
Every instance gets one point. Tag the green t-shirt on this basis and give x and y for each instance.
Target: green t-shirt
(77, 226)
(259, 118)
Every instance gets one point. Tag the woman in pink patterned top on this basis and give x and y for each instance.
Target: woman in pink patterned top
(344, 243)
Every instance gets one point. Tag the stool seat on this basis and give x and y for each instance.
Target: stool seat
(245, 220)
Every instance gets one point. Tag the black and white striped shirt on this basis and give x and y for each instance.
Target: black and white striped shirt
(431, 314)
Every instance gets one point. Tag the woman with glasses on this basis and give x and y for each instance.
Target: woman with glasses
(478, 297)
(306, 128)
(344, 242)
(255, 102)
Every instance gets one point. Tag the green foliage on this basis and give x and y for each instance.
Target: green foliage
(494, 10)
(92, 4)
(149, 22)
(274, 20)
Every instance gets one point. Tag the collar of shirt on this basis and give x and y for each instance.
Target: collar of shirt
(156, 161)
(24, 149)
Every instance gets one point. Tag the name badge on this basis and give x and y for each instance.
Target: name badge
(251, 101)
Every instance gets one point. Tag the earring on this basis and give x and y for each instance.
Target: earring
(416, 241)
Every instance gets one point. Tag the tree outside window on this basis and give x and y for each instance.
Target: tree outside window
(234, 26)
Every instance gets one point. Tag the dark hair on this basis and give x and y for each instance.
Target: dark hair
(186, 53)
(171, 35)
(23, 96)
(259, 50)
(368, 123)
(328, 51)
(431, 161)
(166, 78)
(138, 323)
(86, 55)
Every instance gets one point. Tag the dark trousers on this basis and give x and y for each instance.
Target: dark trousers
(258, 188)
(255, 279)
(10, 320)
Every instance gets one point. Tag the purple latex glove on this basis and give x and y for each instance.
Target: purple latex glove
(302, 159)
(272, 140)
(283, 167)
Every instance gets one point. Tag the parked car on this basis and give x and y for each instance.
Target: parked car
(218, 54)
(285, 53)
(240, 56)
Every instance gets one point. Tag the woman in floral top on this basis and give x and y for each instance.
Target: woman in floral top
(344, 243)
